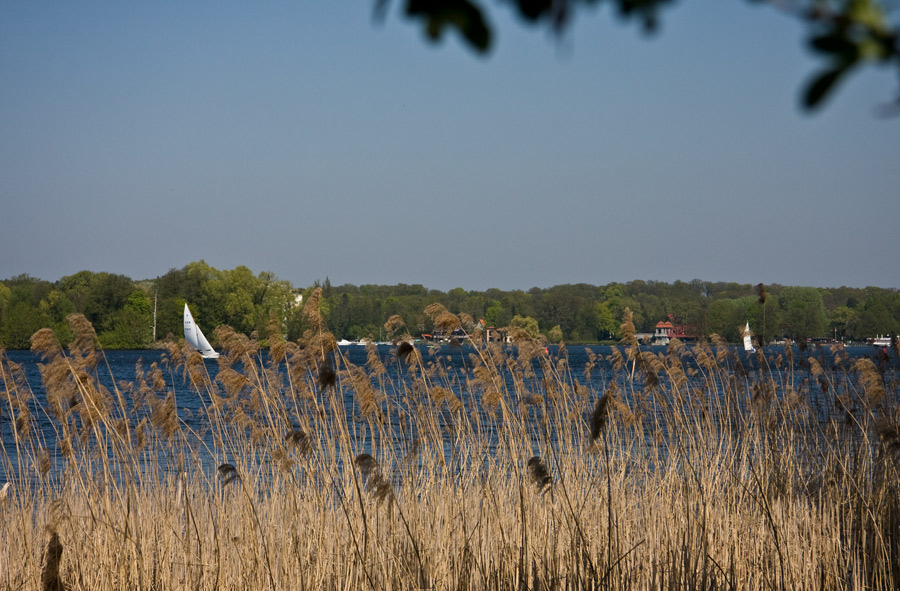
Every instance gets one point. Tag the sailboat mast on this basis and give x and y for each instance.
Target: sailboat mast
(155, 293)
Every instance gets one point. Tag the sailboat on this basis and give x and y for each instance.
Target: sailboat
(194, 336)
(748, 341)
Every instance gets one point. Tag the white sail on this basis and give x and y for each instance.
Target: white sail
(748, 341)
(194, 336)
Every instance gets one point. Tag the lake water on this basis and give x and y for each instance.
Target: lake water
(455, 361)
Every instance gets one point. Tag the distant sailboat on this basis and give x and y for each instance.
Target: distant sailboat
(194, 336)
(748, 340)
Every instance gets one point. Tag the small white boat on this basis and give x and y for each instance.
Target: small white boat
(194, 336)
(748, 339)
(881, 341)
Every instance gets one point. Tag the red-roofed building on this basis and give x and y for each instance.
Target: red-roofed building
(663, 333)
(668, 330)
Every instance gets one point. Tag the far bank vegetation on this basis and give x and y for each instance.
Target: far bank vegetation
(122, 309)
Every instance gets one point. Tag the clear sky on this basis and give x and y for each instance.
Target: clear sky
(304, 138)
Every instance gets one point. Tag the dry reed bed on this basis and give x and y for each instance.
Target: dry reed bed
(654, 483)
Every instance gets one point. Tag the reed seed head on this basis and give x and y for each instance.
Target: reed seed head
(889, 432)
(600, 416)
(50, 580)
(404, 351)
(228, 473)
(373, 480)
(873, 383)
(300, 440)
(327, 377)
(627, 328)
(83, 330)
(44, 343)
(539, 474)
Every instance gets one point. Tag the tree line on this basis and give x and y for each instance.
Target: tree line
(138, 314)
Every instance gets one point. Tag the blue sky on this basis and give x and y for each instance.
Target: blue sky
(304, 138)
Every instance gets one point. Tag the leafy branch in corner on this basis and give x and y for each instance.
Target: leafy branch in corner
(844, 34)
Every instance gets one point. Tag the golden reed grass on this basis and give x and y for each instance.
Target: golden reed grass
(684, 470)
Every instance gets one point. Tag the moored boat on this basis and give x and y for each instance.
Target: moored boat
(881, 341)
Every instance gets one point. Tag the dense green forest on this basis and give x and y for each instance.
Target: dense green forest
(122, 310)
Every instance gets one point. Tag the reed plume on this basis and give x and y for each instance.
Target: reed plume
(235, 345)
(140, 435)
(85, 339)
(277, 344)
(616, 359)
(889, 433)
(599, 416)
(228, 473)
(327, 377)
(300, 440)
(873, 382)
(394, 326)
(519, 335)
(50, 579)
(21, 415)
(164, 415)
(446, 323)
(815, 368)
(539, 474)
(234, 381)
(491, 399)
(374, 481)
(61, 390)
(650, 366)
(311, 312)
(373, 362)
(44, 463)
(627, 330)
(723, 350)
(435, 309)
(365, 393)
(45, 344)
(404, 351)
(675, 348)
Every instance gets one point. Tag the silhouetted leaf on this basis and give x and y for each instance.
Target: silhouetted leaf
(834, 43)
(462, 15)
(823, 84)
(846, 33)
(533, 9)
